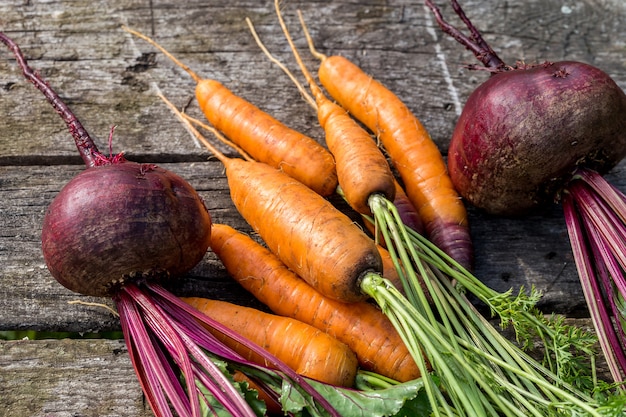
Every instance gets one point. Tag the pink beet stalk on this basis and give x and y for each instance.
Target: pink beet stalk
(594, 214)
(86, 146)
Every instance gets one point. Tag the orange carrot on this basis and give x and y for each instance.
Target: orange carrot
(361, 326)
(410, 147)
(362, 169)
(311, 236)
(305, 349)
(261, 135)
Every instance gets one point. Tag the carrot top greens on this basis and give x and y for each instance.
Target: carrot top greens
(476, 370)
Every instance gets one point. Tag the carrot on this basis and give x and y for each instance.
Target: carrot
(305, 349)
(361, 326)
(261, 135)
(311, 236)
(362, 169)
(409, 146)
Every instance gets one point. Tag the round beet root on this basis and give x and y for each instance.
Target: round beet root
(120, 221)
(523, 133)
(117, 219)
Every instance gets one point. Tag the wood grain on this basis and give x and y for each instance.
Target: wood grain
(68, 378)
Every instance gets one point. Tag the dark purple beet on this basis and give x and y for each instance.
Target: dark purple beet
(523, 133)
(117, 220)
(120, 221)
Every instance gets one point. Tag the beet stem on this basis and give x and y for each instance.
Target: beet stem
(143, 354)
(85, 144)
(162, 339)
(182, 311)
(475, 42)
(590, 277)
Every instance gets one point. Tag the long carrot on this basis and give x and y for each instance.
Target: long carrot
(312, 237)
(361, 326)
(305, 349)
(261, 135)
(362, 169)
(409, 146)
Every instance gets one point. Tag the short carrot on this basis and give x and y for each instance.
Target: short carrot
(261, 135)
(319, 242)
(305, 349)
(409, 146)
(362, 169)
(361, 326)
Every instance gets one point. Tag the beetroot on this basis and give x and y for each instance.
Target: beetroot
(117, 219)
(523, 133)
(92, 244)
(532, 134)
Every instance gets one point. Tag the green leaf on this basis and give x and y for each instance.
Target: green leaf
(406, 399)
(291, 399)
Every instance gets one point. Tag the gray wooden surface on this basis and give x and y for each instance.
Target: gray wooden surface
(110, 78)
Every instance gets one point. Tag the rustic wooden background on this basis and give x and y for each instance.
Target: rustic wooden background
(110, 78)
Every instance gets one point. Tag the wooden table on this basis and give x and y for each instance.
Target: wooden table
(111, 78)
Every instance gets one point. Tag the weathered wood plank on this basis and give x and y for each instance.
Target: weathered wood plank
(69, 378)
(110, 78)
(510, 252)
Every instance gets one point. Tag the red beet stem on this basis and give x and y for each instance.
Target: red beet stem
(475, 42)
(599, 265)
(86, 146)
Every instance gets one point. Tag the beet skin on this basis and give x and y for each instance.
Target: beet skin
(523, 132)
(120, 221)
